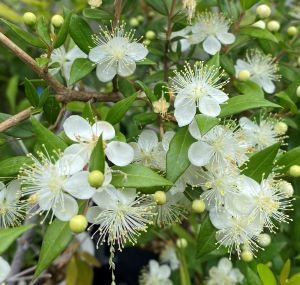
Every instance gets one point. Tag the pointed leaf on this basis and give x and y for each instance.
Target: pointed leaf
(205, 123)
(64, 29)
(258, 33)
(11, 166)
(266, 275)
(285, 272)
(97, 160)
(80, 68)
(31, 93)
(286, 160)
(88, 113)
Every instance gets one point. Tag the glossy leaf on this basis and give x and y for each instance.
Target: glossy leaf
(206, 123)
(64, 29)
(258, 33)
(266, 275)
(285, 272)
(97, 14)
(51, 109)
(286, 160)
(97, 160)
(80, 68)
(31, 93)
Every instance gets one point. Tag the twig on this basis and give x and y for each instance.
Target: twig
(117, 12)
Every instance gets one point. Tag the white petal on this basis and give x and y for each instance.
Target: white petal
(268, 86)
(97, 54)
(217, 94)
(106, 70)
(225, 265)
(13, 190)
(200, 153)
(211, 45)
(45, 201)
(226, 38)
(4, 269)
(194, 130)
(185, 110)
(168, 136)
(80, 152)
(126, 66)
(164, 272)
(209, 106)
(66, 164)
(106, 199)
(77, 128)
(92, 214)
(66, 69)
(75, 53)
(66, 210)
(86, 243)
(126, 196)
(220, 219)
(148, 140)
(104, 128)
(119, 153)
(247, 124)
(77, 185)
(136, 51)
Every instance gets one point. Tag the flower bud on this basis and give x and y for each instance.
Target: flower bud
(294, 170)
(280, 128)
(78, 224)
(151, 14)
(29, 19)
(298, 91)
(286, 188)
(273, 26)
(32, 199)
(96, 178)
(292, 31)
(244, 75)
(57, 21)
(146, 42)
(298, 60)
(161, 106)
(181, 243)
(198, 206)
(150, 35)
(264, 240)
(263, 11)
(95, 3)
(160, 197)
(247, 256)
(134, 22)
(259, 24)
(140, 18)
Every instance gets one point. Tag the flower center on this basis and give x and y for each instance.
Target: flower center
(118, 53)
(3, 211)
(267, 204)
(198, 92)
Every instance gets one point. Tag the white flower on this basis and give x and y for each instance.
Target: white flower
(184, 39)
(11, 207)
(44, 181)
(224, 274)
(95, 3)
(86, 244)
(219, 147)
(116, 53)
(168, 255)
(149, 151)
(121, 215)
(86, 136)
(197, 88)
(64, 60)
(262, 68)
(190, 6)
(212, 29)
(4, 269)
(156, 275)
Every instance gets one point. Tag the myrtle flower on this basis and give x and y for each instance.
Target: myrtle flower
(212, 30)
(156, 275)
(121, 215)
(168, 255)
(149, 151)
(86, 136)
(116, 52)
(64, 60)
(263, 69)
(184, 39)
(224, 274)
(5, 269)
(44, 181)
(197, 87)
(190, 7)
(11, 207)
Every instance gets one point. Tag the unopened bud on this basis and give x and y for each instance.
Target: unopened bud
(294, 170)
(160, 197)
(32, 199)
(57, 21)
(95, 3)
(181, 243)
(280, 128)
(286, 188)
(198, 206)
(263, 11)
(134, 22)
(29, 19)
(292, 31)
(273, 26)
(247, 256)
(140, 18)
(96, 178)
(298, 91)
(78, 224)
(146, 42)
(264, 240)
(150, 35)
(244, 75)
(259, 24)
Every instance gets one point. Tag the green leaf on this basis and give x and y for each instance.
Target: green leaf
(64, 29)
(205, 123)
(242, 103)
(80, 68)
(285, 272)
(44, 96)
(9, 235)
(146, 61)
(286, 101)
(258, 33)
(149, 93)
(295, 280)
(252, 277)
(51, 109)
(126, 87)
(81, 33)
(145, 118)
(214, 61)
(266, 275)
(88, 113)
(246, 4)
(137, 176)
(10, 167)
(57, 237)
(159, 6)
(31, 93)
(249, 88)
(27, 37)
(97, 14)
(270, 252)
(206, 240)
(119, 109)
(12, 92)
(42, 30)
(227, 63)
(177, 156)
(286, 160)
(261, 164)
(47, 138)
(97, 160)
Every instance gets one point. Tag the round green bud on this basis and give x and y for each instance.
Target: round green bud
(96, 178)
(244, 75)
(140, 18)
(298, 60)
(280, 128)
(146, 42)
(264, 240)
(151, 14)
(181, 243)
(160, 197)
(263, 11)
(298, 91)
(247, 256)
(29, 19)
(198, 206)
(273, 26)
(57, 21)
(292, 31)
(78, 224)
(286, 188)
(259, 24)
(150, 35)
(295, 170)
(134, 22)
